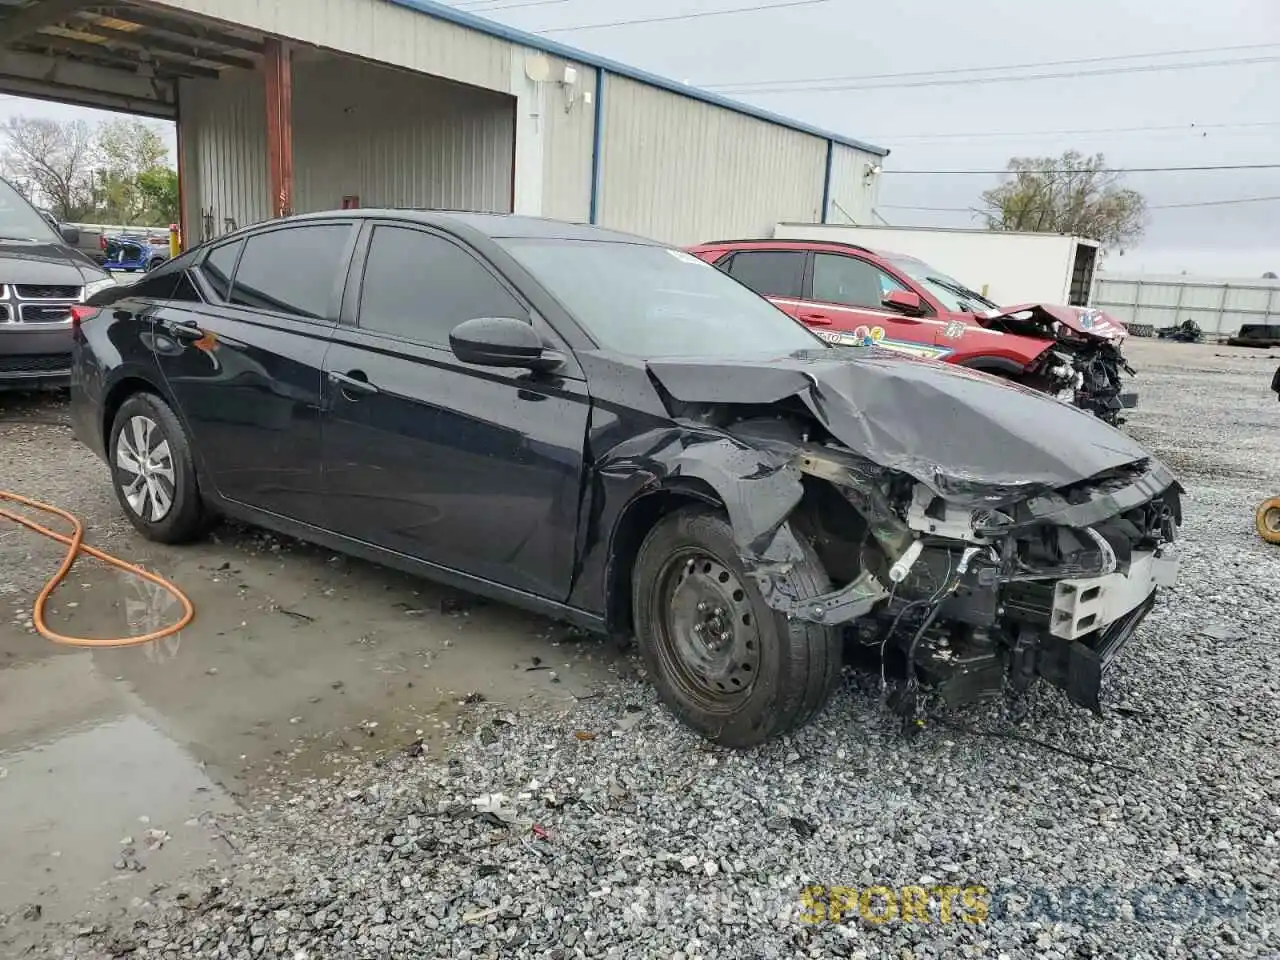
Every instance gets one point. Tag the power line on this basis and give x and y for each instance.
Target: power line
(1158, 206)
(1037, 65)
(1214, 203)
(973, 135)
(476, 5)
(686, 16)
(1234, 166)
(1017, 78)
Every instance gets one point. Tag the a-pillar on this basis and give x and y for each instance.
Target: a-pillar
(279, 98)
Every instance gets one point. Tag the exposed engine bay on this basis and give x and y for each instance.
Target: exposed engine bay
(976, 602)
(1083, 366)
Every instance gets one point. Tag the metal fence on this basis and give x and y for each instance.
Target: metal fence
(1218, 307)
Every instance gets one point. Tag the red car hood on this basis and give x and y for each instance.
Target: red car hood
(1085, 321)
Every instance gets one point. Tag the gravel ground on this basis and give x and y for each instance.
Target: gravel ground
(1149, 832)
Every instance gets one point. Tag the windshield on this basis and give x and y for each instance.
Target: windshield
(19, 220)
(953, 294)
(650, 302)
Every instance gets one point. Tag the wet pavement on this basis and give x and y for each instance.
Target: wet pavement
(116, 762)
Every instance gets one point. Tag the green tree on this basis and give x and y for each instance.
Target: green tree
(127, 148)
(1071, 194)
(159, 189)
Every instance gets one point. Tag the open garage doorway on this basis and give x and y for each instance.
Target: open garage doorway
(263, 125)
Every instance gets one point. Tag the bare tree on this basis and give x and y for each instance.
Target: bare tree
(56, 160)
(1071, 194)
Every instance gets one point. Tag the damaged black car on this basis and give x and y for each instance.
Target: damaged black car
(614, 433)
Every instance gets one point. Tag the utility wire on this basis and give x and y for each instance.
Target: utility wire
(967, 135)
(1230, 166)
(1013, 78)
(686, 16)
(1037, 65)
(475, 7)
(1158, 206)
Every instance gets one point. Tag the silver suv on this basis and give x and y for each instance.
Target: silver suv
(41, 278)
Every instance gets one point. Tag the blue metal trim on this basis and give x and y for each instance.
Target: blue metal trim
(597, 135)
(826, 181)
(442, 12)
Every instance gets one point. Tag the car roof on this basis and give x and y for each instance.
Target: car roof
(496, 226)
(797, 243)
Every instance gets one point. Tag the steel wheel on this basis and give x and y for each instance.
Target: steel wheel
(147, 475)
(706, 634)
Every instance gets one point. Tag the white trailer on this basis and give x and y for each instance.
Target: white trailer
(1007, 267)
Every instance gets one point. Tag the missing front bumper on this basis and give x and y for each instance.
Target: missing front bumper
(1077, 668)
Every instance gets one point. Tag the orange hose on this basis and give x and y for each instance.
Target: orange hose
(76, 546)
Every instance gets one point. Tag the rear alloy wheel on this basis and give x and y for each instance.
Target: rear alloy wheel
(1268, 520)
(153, 472)
(724, 662)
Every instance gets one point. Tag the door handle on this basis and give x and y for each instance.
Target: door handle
(352, 382)
(182, 329)
(817, 319)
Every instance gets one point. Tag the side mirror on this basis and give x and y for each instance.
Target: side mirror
(70, 234)
(904, 301)
(501, 342)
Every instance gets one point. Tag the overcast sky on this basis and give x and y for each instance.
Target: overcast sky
(955, 126)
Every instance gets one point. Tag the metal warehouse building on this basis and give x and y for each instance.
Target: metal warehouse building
(301, 105)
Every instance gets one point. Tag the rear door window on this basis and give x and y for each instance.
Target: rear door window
(770, 273)
(293, 270)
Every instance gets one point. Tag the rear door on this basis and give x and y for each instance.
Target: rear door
(244, 361)
(776, 274)
(477, 469)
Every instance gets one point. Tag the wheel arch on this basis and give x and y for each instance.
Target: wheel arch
(997, 365)
(127, 386)
(635, 521)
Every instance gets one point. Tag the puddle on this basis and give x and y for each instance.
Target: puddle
(79, 768)
(297, 664)
(299, 660)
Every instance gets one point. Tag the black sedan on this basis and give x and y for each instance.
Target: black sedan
(610, 431)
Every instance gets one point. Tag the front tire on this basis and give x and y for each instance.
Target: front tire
(724, 662)
(153, 471)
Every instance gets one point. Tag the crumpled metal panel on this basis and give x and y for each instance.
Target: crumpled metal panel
(956, 430)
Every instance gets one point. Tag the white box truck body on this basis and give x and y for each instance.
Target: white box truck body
(1005, 266)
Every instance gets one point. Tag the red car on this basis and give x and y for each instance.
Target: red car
(854, 295)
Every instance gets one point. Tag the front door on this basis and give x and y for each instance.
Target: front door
(244, 363)
(477, 469)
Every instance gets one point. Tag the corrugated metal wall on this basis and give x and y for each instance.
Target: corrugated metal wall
(570, 135)
(372, 29)
(388, 137)
(1217, 306)
(224, 139)
(682, 171)
(397, 139)
(853, 195)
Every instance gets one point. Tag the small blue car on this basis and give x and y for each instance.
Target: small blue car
(132, 254)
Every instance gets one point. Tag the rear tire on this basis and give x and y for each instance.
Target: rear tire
(724, 662)
(153, 472)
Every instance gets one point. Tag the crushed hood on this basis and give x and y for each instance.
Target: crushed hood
(967, 435)
(1086, 321)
